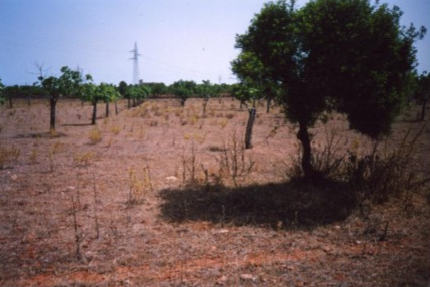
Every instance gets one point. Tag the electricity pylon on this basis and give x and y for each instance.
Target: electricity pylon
(135, 59)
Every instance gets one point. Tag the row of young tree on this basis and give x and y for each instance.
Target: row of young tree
(71, 83)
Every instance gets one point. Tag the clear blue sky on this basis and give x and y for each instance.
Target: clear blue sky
(178, 39)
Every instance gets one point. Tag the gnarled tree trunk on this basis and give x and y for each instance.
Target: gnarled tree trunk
(305, 139)
(250, 124)
(93, 118)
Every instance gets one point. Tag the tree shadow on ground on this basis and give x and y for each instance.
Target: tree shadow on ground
(77, 125)
(42, 135)
(290, 204)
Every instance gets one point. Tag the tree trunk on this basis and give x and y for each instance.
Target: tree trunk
(134, 103)
(28, 101)
(205, 103)
(269, 101)
(10, 102)
(52, 104)
(93, 119)
(253, 103)
(107, 109)
(116, 107)
(423, 110)
(249, 126)
(305, 139)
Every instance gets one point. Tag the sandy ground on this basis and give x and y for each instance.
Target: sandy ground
(109, 205)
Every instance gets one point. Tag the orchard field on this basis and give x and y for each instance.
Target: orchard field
(162, 195)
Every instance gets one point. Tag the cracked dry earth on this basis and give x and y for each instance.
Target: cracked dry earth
(90, 206)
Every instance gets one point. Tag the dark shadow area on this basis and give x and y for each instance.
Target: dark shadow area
(76, 125)
(42, 135)
(295, 204)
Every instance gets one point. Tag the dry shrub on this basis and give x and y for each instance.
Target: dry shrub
(115, 129)
(83, 159)
(223, 123)
(388, 171)
(8, 154)
(139, 183)
(375, 177)
(234, 162)
(191, 167)
(95, 136)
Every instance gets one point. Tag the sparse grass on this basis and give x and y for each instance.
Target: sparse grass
(9, 154)
(223, 123)
(95, 136)
(139, 184)
(115, 129)
(234, 161)
(84, 159)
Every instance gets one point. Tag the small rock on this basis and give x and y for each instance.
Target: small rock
(247, 277)
(172, 179)
(221, 280)
(221, 231)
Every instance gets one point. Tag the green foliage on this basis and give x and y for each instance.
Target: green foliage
(157, 89)
(68, 84)
(244, 92)
(423, 90)
(96, 93)
(138, 92)
(344, 55)
(206, 89)
(183, 89)
(122, 88)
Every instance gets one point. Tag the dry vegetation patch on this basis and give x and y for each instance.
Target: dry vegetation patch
(169, 197)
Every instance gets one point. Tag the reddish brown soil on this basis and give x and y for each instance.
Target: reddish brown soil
(164, 237)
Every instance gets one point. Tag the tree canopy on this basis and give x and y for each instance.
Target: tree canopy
(346, 55)
(68, 84)
(183, 90)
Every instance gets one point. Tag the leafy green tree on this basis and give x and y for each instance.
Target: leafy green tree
(68, 84)
(344, 55)
(122, 88)
(423, 92)
(137, 93)
(12, 92)
(206, 91)
(98, 93)
(244, 93)
(183, 90)
(157, 89)
(251, 72)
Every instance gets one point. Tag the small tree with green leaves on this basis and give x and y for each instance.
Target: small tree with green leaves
(122, 88)
(183, 90)
(137, 93)
(96, 93)
(206, 91)
(68, 84)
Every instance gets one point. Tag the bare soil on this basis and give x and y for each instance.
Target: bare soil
(140, 200)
